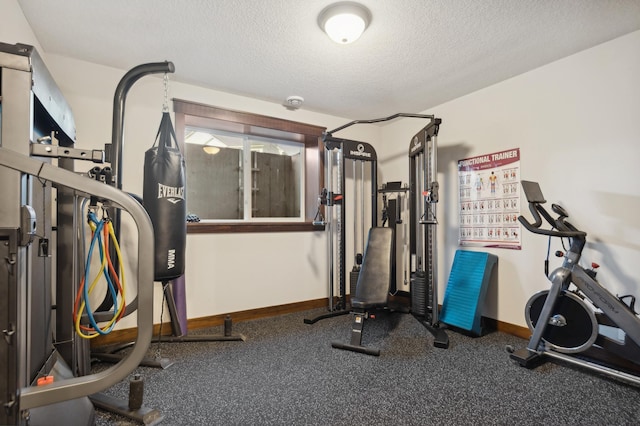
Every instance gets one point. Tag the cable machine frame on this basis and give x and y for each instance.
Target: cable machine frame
(332, 199)
(425, 142)
(423, 197)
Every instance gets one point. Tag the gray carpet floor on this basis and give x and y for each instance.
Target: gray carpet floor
(287, 373)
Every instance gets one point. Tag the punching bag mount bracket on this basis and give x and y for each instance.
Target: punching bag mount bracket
(55, 151)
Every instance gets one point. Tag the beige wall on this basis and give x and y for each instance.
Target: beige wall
(575, 121)
(14, 27)
(576, 124)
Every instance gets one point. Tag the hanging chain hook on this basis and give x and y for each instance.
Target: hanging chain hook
(165, 105)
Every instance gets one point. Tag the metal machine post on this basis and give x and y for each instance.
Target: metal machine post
(423, 195)
(337, 152)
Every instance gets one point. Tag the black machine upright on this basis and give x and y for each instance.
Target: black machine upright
(423, 199)
(334, 198)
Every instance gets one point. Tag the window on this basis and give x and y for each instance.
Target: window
(233, 176)
(247, 172)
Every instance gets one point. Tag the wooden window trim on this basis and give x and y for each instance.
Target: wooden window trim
(194, 114)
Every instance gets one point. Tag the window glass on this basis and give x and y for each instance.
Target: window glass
(277, 169)
(234, 176)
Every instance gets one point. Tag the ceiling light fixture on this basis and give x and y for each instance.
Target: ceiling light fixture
(211, 150)
(344, 22)
(213, 145)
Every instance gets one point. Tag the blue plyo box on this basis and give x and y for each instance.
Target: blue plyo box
(466, 289)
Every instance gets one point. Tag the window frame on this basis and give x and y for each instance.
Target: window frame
(189, 113)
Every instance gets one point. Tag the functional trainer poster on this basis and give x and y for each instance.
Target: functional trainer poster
(490, 200)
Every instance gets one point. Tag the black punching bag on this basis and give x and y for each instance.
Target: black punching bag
(164, 199)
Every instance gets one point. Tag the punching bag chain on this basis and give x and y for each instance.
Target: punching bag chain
(165, 105)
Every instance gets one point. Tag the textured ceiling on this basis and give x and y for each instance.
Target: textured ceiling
(415, 54)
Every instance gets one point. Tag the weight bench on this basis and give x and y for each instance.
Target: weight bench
(372, 288)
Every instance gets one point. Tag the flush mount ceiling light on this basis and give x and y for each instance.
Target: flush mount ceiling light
(211, 150)
(213, 145)
(344, 22)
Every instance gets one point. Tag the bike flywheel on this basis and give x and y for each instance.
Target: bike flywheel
(572, 326)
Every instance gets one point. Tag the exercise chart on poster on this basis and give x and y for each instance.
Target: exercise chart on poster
(490, 200)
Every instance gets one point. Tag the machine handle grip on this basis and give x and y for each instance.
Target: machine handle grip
(536, 210)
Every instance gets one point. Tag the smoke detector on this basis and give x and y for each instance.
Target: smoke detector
(294, 102)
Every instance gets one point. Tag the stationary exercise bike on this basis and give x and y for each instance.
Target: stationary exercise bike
(577, 320)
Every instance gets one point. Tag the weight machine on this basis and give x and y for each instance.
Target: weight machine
(44, 363)
(363, 159)
(423, 197)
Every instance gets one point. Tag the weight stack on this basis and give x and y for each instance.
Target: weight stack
(353, 280)
(419, 294)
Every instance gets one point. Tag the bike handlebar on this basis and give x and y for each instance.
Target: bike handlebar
(561, 228)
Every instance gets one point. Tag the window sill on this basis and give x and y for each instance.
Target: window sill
(224, 228)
